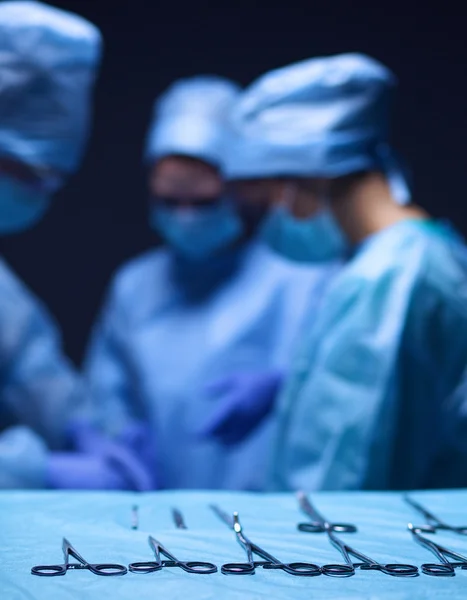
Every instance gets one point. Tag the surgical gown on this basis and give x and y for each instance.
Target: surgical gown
(39, 389)
(366, 406)
(166, 332)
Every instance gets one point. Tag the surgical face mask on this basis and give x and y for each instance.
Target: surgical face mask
(21, 206)
(315, 239)
(197, 232)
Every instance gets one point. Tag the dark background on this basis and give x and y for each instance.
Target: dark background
(99, 220)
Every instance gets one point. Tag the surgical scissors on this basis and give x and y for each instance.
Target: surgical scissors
(194, 566)
(444, 568)
(433, 523)
(348, 569)
(270, 562)
(104, 569)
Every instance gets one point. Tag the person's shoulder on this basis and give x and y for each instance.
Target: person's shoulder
(8, 278)
(12, 289)
(136, 286)
(283, 270)
(445, 268)
(431, 254)
(408, 245)
(136, 272)
(20, 307)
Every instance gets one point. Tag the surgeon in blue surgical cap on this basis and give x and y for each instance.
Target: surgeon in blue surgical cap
(48, 63)
(211, 318)
(365, 405)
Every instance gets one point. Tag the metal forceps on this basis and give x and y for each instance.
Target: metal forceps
(104, 569)
(194, 566)
(433, 523)
(318, 524)
(444, 568)
(349, 568)
(270, 562)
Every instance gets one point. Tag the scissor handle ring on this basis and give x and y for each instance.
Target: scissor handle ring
(238, 569)
(108, 569)
(144, 567)
(438, 570)
(338, 570)
(48, 570)
(335, 527)
(302, 569)
(400, 570)
(343, 528)
(201, 568)
(310, 528)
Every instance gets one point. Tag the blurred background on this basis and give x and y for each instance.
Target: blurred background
(99, 219)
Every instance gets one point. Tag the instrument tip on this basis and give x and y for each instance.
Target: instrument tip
(134, 516)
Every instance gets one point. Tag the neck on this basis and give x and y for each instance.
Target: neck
(365, 206)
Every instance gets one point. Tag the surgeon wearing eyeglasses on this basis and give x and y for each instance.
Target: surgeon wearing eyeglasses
(210, 318)
(365, 406)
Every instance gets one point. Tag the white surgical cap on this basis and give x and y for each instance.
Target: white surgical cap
(323, 117)
(48, 64)
(190, 119)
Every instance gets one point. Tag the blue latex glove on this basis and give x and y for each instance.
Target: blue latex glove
(101, 462)
(243, 399)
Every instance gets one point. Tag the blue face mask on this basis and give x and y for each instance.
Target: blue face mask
(20, 206)
(197, 233)
(316, 239)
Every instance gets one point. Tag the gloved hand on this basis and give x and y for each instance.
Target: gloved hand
(136, 437)
(243, 399)
(79, 471)
(101, 462)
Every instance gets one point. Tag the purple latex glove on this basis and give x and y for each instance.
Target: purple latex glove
(243, 399)
(101, 462)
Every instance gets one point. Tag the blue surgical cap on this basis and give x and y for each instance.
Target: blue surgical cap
(48, 63)
(323, 117)
(190, 119)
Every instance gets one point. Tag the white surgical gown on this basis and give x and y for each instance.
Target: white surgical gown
(161, 340)
(39, 389)
(367, 405)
